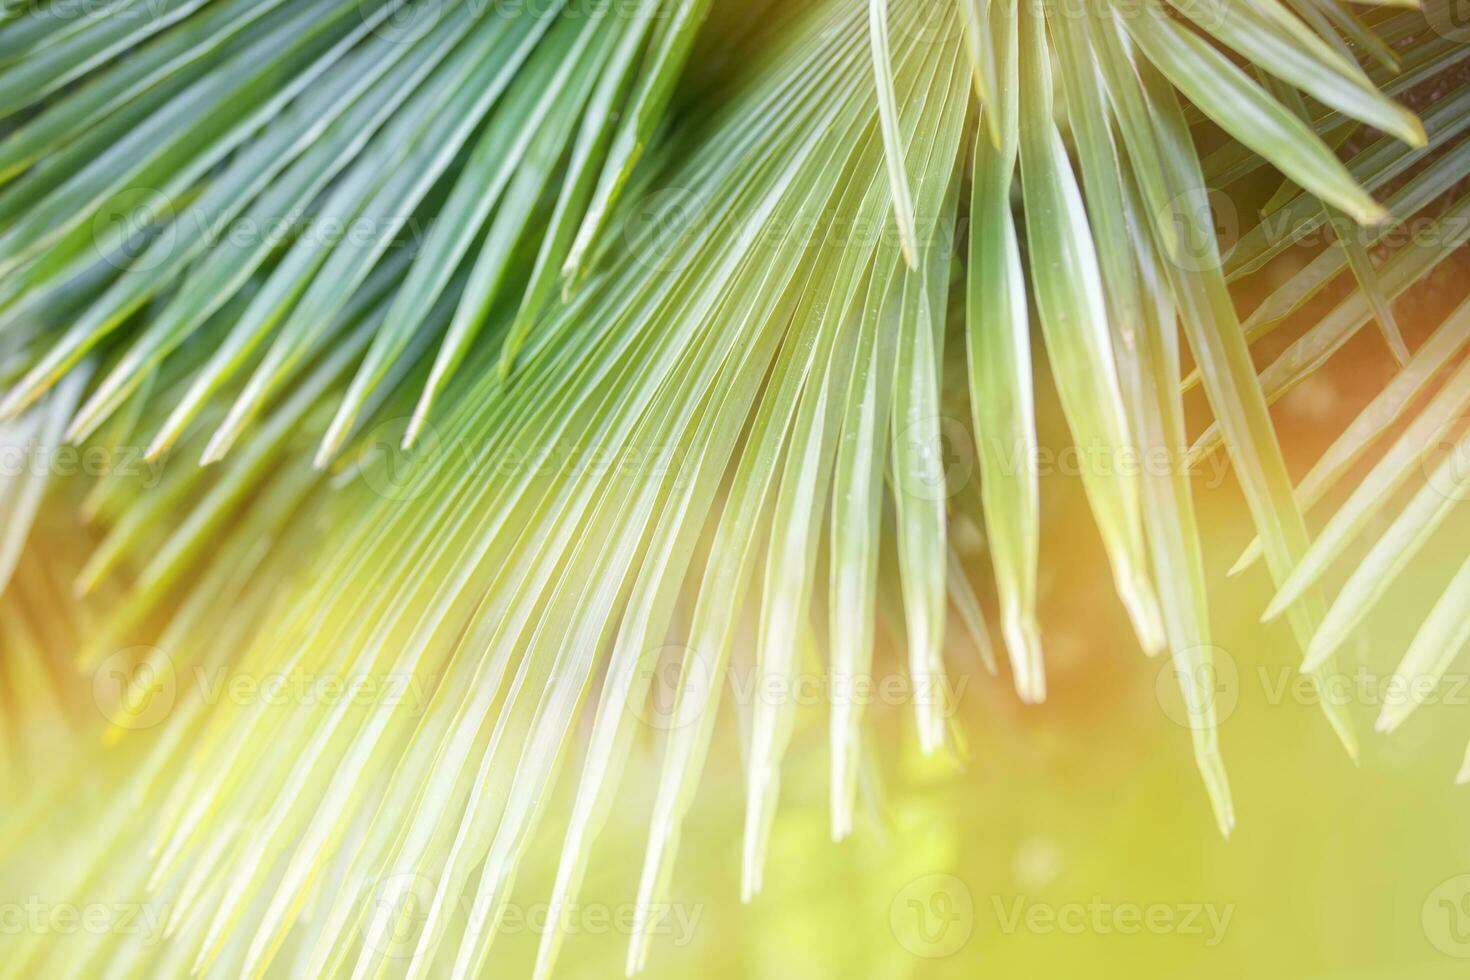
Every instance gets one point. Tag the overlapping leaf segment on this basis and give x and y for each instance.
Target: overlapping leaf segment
(683, 395)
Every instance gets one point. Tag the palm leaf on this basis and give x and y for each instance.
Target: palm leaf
(667, 351)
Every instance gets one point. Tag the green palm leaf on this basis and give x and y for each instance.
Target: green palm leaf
(533, 361)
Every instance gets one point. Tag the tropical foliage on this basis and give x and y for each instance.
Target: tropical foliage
(531, 353)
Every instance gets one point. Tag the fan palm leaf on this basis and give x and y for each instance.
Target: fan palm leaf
(534, 369)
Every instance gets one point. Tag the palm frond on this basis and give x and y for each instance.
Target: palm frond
(521, 376)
